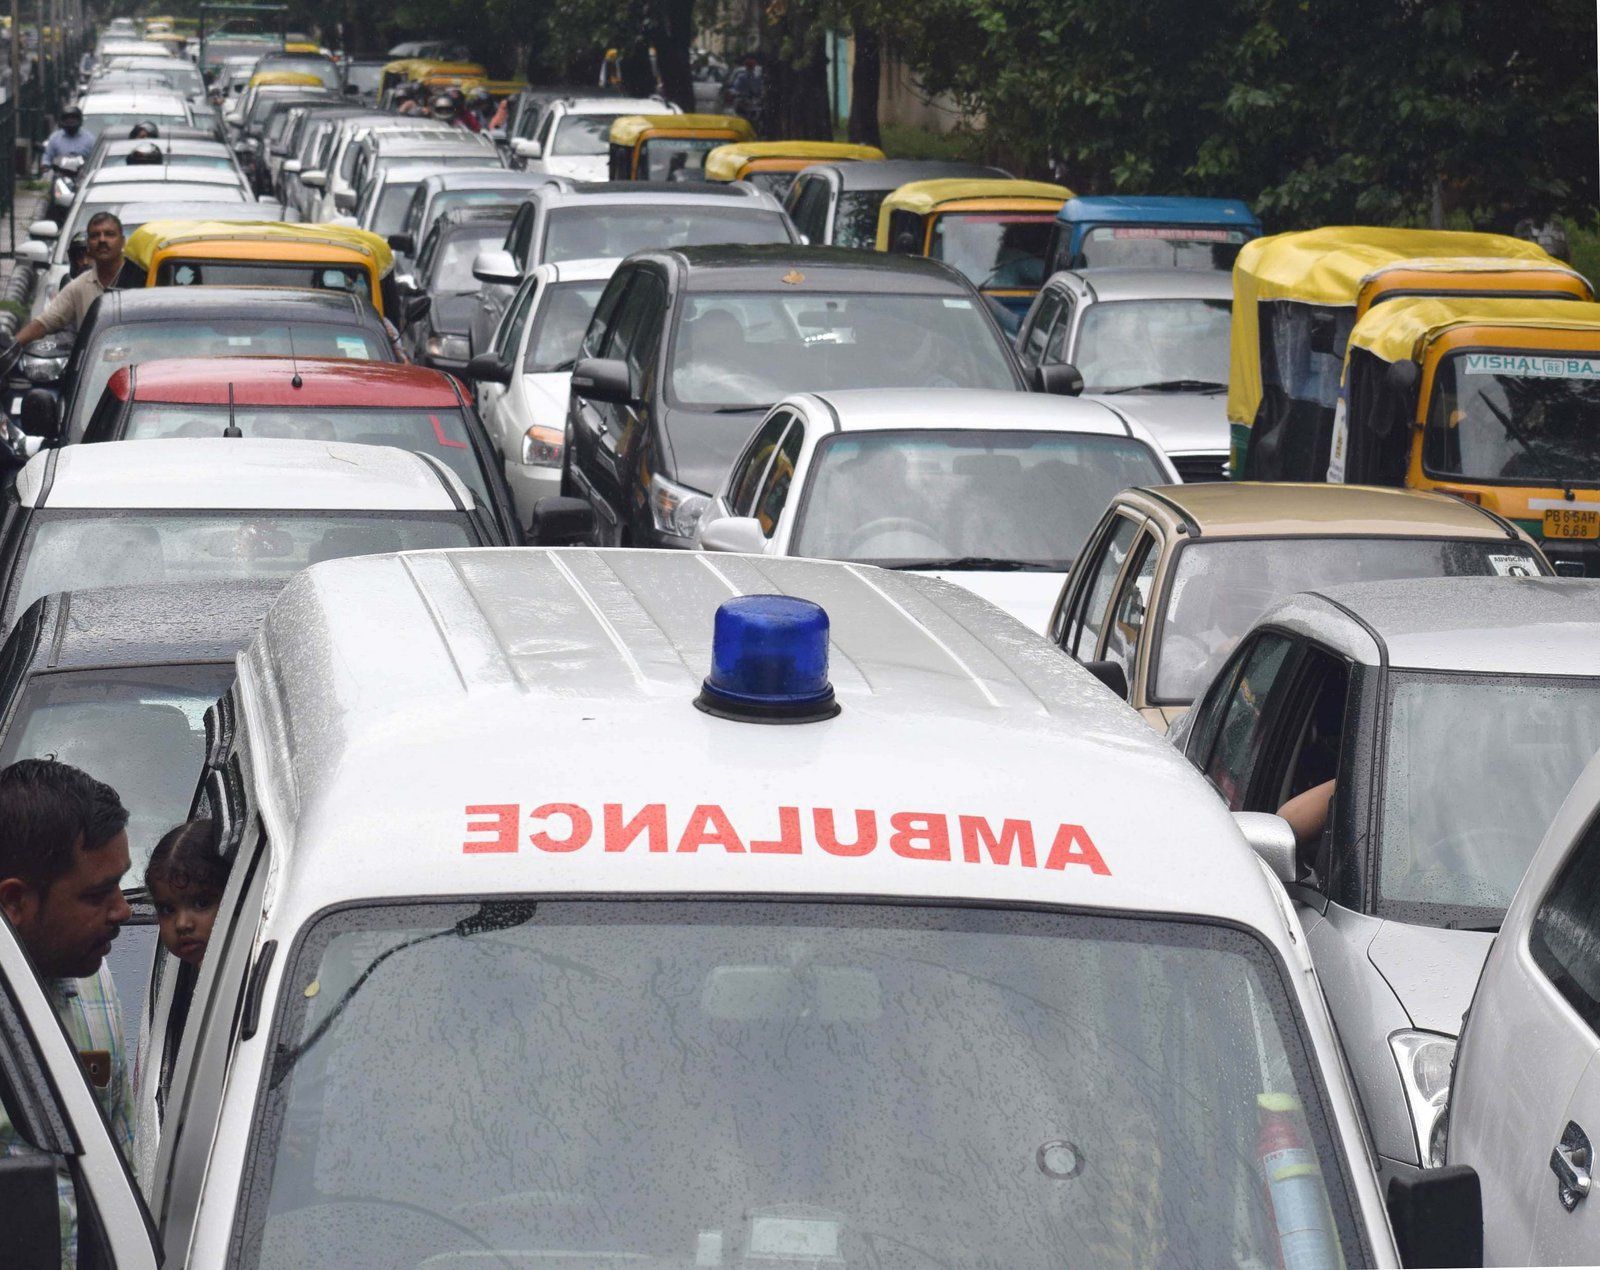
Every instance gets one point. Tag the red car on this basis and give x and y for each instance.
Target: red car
(310, 399)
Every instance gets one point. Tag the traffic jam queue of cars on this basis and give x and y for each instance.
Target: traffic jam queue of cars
(1110, 699)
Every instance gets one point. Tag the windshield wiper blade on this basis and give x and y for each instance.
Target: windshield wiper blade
(738, 410)
(1170, 385)
(996, 564)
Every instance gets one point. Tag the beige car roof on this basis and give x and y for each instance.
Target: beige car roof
(1271, 509)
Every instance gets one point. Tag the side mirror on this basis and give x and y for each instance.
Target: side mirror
(496, 267)
(489, 369)
(1437, 1216)
(1564, 568)
(1321, 334)
(33, 1222)
(527, 148)
(291, 166)
(561, 522)
(44, 230)
(415, 308)
(604, 379)
(316, 178)
(1111, 674)
(1272, 838)
(39, 415)
(1062, 379)
(403, 243)
(345, 201)
(740, 534)
(34, 252)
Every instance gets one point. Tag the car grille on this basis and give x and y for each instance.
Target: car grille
(1201, 467)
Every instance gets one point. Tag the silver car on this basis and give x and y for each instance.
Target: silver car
(1156, 340)
(1419, 736)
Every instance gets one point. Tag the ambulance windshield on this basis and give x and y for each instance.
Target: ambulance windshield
(680, 1084)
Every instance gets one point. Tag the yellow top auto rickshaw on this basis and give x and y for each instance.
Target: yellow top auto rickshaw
(267, 254)
(407, 69)
(771, 165)
(670, 147)
(1496, 401)
(996, 231)
(1296, 298)
(296, 79)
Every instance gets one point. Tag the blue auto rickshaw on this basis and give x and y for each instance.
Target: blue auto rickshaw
(1150, 231)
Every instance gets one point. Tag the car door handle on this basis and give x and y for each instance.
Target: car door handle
(1572, 1162)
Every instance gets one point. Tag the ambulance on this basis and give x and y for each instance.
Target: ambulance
(625, 907)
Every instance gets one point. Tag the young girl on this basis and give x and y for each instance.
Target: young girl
(185, 879)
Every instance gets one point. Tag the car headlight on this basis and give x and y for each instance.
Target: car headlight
(676, 509)
(542, 447)
(1426, 1061)
(41, 370)
(454, 347)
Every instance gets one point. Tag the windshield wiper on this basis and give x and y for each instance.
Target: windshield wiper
(738, 410)
(994, 564)
(1169, 385)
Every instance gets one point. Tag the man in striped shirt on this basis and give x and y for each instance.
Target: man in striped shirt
(63, 851)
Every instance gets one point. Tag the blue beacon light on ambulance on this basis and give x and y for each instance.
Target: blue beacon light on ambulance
(769, 662)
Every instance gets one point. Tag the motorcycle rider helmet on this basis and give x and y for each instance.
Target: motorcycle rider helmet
(443, 107)
(145, 152)
(144, 128)
(481, 99)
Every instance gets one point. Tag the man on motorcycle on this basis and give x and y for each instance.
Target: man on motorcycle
(743, 90)
(69, 140)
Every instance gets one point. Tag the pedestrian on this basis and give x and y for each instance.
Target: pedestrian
(185, 878)
(611, 71)
(69, 140)
(63, 852)
(111, 272)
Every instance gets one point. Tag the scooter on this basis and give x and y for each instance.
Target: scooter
(64, 185)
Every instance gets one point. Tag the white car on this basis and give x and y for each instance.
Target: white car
(573, 136)
(522, 383)
(995, 491)
(1524, 1106)
(961, 966)
(331, 186)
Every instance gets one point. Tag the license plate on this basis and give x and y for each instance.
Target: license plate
(1564, 522)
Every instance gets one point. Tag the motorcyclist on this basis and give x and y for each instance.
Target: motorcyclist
(145, 152)
(70, 140)
(480, 102)
(143, 130)
(743, 91)
(451, 107)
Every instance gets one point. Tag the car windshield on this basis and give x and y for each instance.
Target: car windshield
(1458, 834)
(452, 262)
(1157, 345)
(1161, 247)
(562, 319)
(751, 348)
(678, 1084)
(676, 158)
(449, 200)
(1219, 589)
(855, 219)
(1002, 250)
(72, 550)
(582, 135)
(114, 347)
(264, 273)
(141, 730)
(1526, 418)
(364, 76)
(441, 432)
(603, 232)
(390, 214)
(961, 498)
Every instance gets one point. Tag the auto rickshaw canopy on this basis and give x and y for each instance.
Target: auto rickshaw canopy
(629, 130)
(245, 239)
(730, 162)
(1403, 329)
(924, 198)
(298, 79)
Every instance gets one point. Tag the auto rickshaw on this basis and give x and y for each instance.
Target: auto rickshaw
(1296, 298)
(1496, 401)
(409, 69)
(270, 254)
(994, 231)
(295, 79)
(1154, 231)
(771, 165)
(670, 147)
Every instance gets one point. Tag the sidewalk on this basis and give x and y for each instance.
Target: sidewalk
(31, 206)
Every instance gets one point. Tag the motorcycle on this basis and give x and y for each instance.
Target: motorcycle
(64, 185)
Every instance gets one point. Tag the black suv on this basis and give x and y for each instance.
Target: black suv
(689, 348)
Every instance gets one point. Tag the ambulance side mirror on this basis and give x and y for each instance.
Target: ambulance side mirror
(1437, 1216)
(33, 1220)
(1272, 838)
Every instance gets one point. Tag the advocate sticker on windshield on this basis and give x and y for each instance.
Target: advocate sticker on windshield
(1533, 367)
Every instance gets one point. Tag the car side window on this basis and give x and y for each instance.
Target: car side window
(1132, 604)
(648, 299)
(780, 476)
(905, 233)
(810, 208)
(425, 255)
(413, 221)
(1247, 716)
(1032, 344)
(1565, 936)
(1105, 566)
(605, 312)
(548, 128)
(509, 335)
(1056, 347)
(521, 235)
(752, 464)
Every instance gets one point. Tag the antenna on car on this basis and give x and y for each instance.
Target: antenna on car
(295, 382)
(232, 430)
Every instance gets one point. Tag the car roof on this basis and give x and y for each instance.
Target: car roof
(769, 266)
(238, 473)
(679, 193)
(174, 622)
(311, 382)
(869, 409)
(1530, 626)
(891, 174)
(128, 103)
(190, 209)
(484, 178)
(1268, 509)
(456, 217)
(611, 105)
(160, 173)
(157, 304)
(1155, 284)
(592, 270)
(1159, 209)
(501, 650)
(388, 143)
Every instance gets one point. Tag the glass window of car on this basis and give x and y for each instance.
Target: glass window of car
(855, 219)
(71, 550)
(1104, 567)
(1132, 605)
(1161, 247)
(754, 348)
(508, 335)
(604, 313)
(1457, 836)
(1003, 250)
(1055, 352)
(675, 158)
(582, 135)
(789, 1047)
(959, 498)
(265, 273)
(780, 478)
(559, 324)
(810, 207)
(1220, 588)
(1033, 341)
(140, 729)
(752, 464)
(604, 232)
(1155, 345)
(1247, 716)
(1565, 936)
(394, 199)
(450, 270)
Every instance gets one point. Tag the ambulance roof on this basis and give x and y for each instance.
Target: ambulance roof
(413, 719)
